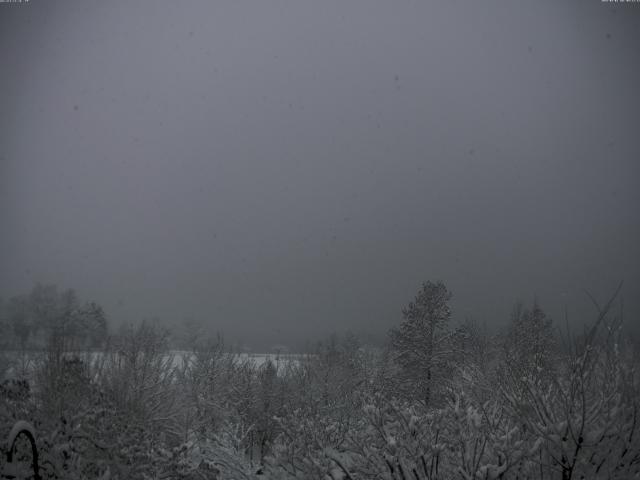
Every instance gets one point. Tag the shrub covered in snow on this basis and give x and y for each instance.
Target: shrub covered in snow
(136, 413)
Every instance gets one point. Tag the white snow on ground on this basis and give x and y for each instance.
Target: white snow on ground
(20, 365)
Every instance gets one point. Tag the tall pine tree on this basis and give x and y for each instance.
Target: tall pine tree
(421, 343)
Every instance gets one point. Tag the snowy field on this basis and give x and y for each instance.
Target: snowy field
(16, 364)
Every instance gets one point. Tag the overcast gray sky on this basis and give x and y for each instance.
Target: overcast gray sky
(282, 169)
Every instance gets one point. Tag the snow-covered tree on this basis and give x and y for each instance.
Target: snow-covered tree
(93, 323)
(586, 415)
(529, 346)
(19, 318)
(421, 344)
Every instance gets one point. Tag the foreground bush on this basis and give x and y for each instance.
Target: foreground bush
(137, 412)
